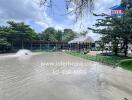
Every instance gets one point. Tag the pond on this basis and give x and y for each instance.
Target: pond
(58, 76)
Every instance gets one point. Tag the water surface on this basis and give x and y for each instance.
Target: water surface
(24, 78)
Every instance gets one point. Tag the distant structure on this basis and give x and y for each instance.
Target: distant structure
(82, 39)
(82, 43)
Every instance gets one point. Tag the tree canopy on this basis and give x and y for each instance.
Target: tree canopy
(19, 32)
(117, 30)
(50, 34)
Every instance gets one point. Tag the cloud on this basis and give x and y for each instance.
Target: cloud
(27, 11)
(17, 9)
(88, 20)
(39, 19)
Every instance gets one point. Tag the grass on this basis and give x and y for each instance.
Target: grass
(126, 64)
(110, 60)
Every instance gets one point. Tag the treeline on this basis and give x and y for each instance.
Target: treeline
(116, 31)
(16, 32)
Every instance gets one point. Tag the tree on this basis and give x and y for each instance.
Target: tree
(20, 33)
(4, 44)
(119, 29)
(80, 8)
(59, 35)
(15, 33)
(68, 35)
(83, 33)
(105, 26)
(126, 3)
(50, 34)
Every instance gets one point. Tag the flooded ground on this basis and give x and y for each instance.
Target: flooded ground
(58, 76)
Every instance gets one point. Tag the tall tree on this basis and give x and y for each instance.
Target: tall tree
(50, 34)
(16, 33)
(4, 43)
(68, 35)
(21, 31)
(118, 28)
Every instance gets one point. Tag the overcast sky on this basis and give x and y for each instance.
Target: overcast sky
(40, 18)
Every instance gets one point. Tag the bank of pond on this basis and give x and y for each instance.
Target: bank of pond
(115, 61)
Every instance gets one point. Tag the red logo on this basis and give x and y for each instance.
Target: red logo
(117, 12)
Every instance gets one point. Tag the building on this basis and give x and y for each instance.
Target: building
(81, 43)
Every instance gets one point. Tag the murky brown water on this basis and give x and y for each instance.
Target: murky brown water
(25, 78)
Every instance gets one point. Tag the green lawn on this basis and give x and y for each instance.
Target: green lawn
(126, 64)
(110, 60)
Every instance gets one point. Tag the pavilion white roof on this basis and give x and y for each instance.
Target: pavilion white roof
(82, 39)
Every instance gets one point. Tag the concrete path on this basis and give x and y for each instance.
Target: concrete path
(58, 76)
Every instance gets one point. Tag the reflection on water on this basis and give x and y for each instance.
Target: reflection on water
(26, 79)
